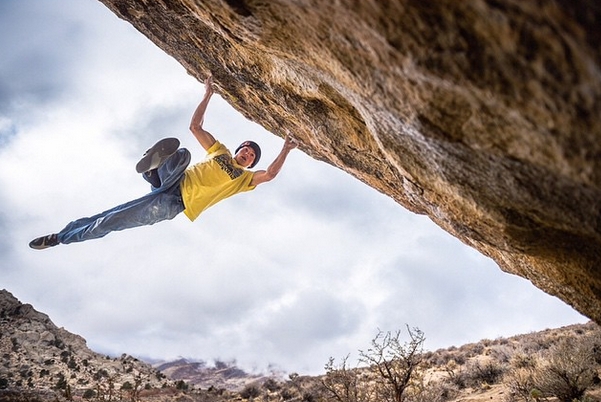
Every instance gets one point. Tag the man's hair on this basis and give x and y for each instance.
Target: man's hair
(255, 148)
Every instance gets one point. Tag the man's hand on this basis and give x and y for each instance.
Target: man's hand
(290, 143)
(209, 86)
(263, 176)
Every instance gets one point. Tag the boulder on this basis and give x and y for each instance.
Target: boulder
(482, 114)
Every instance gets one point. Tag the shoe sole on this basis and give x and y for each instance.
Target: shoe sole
(38, 246)
(42, 243)
(155, 156)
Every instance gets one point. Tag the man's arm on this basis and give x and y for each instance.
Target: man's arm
(263, 176)
(204, 137)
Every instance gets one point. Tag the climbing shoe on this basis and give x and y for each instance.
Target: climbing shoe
(157, 154)
(43, 242)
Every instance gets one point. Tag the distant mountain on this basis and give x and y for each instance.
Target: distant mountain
(221, 375)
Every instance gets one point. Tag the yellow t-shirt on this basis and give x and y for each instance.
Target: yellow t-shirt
(213, 180)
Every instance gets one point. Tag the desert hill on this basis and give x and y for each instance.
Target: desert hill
(41, 362)
(36, 354)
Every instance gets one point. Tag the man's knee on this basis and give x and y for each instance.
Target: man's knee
(173, 168)
(181, 158)
(184, 155)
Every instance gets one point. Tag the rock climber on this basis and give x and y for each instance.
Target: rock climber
(175, 187)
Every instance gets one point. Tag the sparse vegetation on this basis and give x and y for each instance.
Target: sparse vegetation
(554, 365)
(181, 385)
(250, 392)
(394, 363)
(391, 372)
(564, 370)
(343, 383)
(557, 365)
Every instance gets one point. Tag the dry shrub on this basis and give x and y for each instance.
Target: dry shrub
(394, 363)
(568, 371)
(345, 384)
(476, 374)
(520, 378)
(565, 371)
(436, 391)
(501, 353)
(250, 391)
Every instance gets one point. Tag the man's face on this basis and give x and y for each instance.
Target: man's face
(245, 156)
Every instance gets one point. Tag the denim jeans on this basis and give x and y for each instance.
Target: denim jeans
(162, 203)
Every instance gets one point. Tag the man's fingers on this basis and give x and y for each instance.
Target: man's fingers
(291, 141)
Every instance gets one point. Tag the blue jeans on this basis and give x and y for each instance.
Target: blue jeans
(162, 203)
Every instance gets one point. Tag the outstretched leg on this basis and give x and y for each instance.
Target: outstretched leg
(163, 203)
(147, 210)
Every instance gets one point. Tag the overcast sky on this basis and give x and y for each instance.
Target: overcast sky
(303, 268)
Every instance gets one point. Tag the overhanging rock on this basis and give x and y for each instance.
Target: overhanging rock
(482, 114)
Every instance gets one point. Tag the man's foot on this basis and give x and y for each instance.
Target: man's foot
(43, 242)
(157, 154)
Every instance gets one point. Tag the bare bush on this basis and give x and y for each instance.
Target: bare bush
(345, 384)
(435, 391)
(501, 353)
(568, 371)
(392, 367)
(565, 371)
(488, 373)
(520, 378)
(250, 391)
(302, 388)
(475, 374)
(394, 363)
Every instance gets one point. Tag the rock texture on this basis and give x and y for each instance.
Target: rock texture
(482, 114)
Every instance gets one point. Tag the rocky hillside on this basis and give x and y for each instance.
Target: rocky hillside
(481, 114)
(51, 362)
(37, 354)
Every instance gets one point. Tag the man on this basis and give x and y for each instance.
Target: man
(175, 187)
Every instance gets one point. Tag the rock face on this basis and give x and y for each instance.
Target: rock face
(482, 114)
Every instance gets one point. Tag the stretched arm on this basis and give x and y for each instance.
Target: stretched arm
(263, 176)
(204, 137)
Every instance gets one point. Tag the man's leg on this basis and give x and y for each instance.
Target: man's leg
(148, 210)
(164, 202)
(154, 207)
(171, 172)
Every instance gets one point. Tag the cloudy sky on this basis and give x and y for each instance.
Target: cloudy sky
(303, 268)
